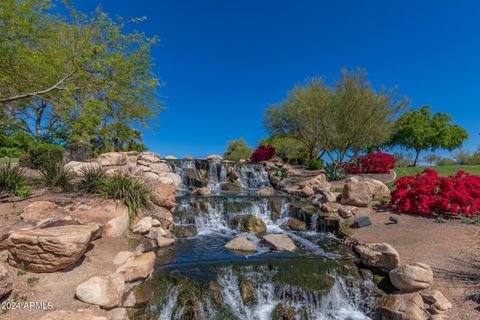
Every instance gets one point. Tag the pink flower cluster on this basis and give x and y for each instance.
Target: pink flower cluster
(428, 193)
(263, 153)
(374, 162)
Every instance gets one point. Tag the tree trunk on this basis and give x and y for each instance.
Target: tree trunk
(38, 121)
(416, 157)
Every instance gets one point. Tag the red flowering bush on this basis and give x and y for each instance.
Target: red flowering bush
(263, 153)
(428, 193)
(374, 162)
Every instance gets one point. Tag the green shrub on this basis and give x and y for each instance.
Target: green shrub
(41, 154)
(10, 152)
(91, 180)
(55, 175)
(316, 164)
(13, 180)
(131, 191)
(334, 171)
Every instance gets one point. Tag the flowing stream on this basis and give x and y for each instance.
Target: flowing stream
(198, 278)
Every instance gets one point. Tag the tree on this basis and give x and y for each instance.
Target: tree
(421, 130)
(71, 79)
(286, 148)
(237, 149)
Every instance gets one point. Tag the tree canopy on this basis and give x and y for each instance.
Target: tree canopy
(338, 120)
(80, 78)
(421, 130)
(237, 150)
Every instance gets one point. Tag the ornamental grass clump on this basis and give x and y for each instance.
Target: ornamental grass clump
(131, 191)
(334, 172)
(55, 175)
(91, 179)
(13, 180)
(427, 193)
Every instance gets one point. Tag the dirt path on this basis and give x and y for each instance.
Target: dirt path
(451, 249)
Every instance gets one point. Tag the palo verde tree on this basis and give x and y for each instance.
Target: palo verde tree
(237, 150)
(80, 78)
(421, 130)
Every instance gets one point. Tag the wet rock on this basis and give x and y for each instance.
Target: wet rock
(164, 216)
(104, 291)
(378, 255)
(122, 257)
(266, 191)
(5, 282)
(185, 231)
(202, 191)
(276, 205)
(247, 292)
(163, 195)
(280, 242)
(138, 268)
(295, 225)
(358, 191)
(51, 249)
(253, 225)
(241, 243)
(283, 312)
(412, 277)
(216, 292)
(71, 315)
(230, 186)
(439, 303)
(112, 159)
(143, 226)
(407, 306)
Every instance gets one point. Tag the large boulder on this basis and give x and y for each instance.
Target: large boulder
(39, 210)
(253, 225)
(112, 215)
(163, 195)
(143, 226)
(247, 292)
(160, 167)
(146, 158)
(104, 291)
(241, 243)
(77, 167)
(359, 191)
(5, 282)
(407, 306)
(51, 249)
(295, 224)
(439, 303)
(112, 159)
(412, 277)
(280, 242)
(138, 268)
(378, 255)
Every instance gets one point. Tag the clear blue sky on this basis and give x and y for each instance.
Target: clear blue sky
(224, 62)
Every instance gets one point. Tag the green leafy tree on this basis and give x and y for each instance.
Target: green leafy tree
(237, 149)
(421, 130)
(286, 148)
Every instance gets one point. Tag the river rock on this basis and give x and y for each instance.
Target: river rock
(71, 315)
(247, 292)
(202, 191)
(241, 243)
(112, 159)
(283, 312)
(252, 224)
(439, 302)
(185, 231)
(5, 282)
(104, 291)
(51, 249)
(280, 242)
(378, 255)
(230, 186)
(407, 306)
(295, 224)
(412, 277)
(143, 226)
(358, 191)
(266, 191)
(138, 268)
(163, 195)
(164, 216)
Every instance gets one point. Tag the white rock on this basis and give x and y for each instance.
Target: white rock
(412, 277)
(104, 291)
(122, 257)
(281, 242)
(143, 226)
(138, 268)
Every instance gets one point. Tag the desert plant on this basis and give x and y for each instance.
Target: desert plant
(13, 180)
(131, 191)
(91, 180)
(315, 164)
(55, 175)
(334, 171)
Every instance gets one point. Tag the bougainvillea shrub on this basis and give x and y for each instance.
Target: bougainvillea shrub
(374, 162)
(263, 153)
(428, 193)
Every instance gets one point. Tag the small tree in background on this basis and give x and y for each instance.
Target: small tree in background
(421, 130)
(237, 149)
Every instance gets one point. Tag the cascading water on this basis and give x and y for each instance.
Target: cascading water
(198, 278)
